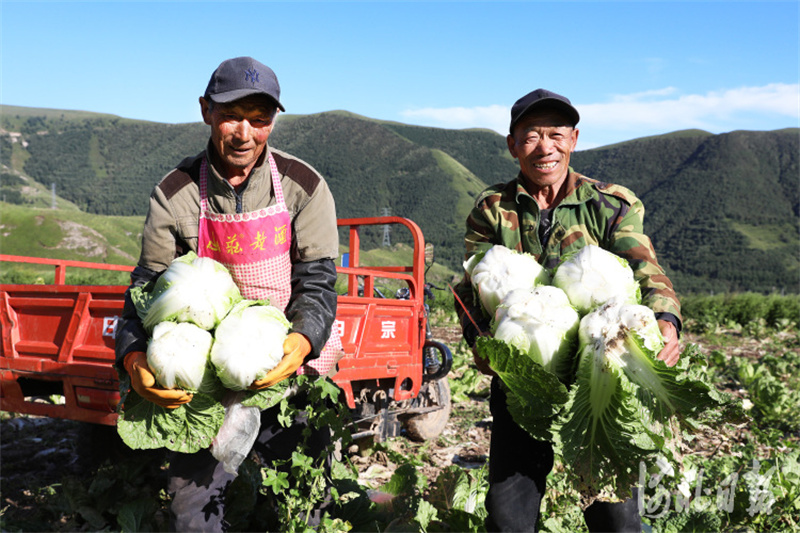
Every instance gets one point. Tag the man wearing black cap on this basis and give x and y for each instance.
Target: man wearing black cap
(271, 220)
(549, 211)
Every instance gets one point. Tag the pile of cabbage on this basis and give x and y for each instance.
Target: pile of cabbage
(576, 353)
(205, 338)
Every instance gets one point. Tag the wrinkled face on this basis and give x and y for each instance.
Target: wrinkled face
(239, 131)
(542, 143)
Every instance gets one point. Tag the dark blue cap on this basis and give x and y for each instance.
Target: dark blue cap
(542, 99)
(242, 76)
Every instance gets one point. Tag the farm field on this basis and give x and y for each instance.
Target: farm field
(65, 476)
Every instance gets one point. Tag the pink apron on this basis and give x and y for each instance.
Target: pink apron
(255, 247)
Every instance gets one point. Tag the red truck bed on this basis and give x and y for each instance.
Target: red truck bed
(58, 340)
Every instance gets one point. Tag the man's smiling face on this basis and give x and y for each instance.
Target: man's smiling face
(542, 142)
(239, 132)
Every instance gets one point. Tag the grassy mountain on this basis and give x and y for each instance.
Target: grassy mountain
(722, 210)
(71, 234)
(369, 167)
(104, 164)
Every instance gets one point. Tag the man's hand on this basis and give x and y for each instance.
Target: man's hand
(672, 350)
(144, 382)
(480, 363)
(295, 349)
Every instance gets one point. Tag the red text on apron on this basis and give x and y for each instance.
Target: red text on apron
(255, 248)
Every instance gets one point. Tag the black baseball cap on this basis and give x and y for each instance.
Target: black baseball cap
(542, 99)
(242, 76)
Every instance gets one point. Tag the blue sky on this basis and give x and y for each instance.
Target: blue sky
(631, 68)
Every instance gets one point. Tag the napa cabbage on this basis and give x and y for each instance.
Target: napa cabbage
(625, 405)
(178, 355)
(541, 323)
(193, 289)
(592, 276)
(184, 313)
(593, 386)
(249, 343)
(143, 425)
(499, 270)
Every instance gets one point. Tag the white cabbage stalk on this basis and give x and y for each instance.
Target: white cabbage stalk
(625, 340)
(542, 323)
(178, 355)
(193, 289)
(592, 276)
(502, 270)
(625, 337)
(623, 399)
(248, 343)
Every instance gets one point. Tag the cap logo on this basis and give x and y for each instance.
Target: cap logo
(251, 74)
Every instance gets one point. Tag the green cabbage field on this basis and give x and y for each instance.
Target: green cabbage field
(741, 475)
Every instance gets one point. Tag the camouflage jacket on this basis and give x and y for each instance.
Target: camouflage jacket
(592, 212)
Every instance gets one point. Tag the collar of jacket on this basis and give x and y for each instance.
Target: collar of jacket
(577, 192)
(260, 170)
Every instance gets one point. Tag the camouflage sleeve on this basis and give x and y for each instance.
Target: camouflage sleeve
(479, 236)
(629, 241)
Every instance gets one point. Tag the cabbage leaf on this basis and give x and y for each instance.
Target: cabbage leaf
(534, 395)
(601, 432)
(625, 405)
(271, 396)
(189, 428)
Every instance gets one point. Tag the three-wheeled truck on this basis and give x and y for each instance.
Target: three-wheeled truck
(58, 342)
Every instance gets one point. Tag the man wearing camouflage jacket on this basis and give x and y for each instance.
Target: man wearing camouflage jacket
(549, 211)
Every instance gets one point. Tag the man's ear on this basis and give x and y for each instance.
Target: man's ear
(575, 133)
(205, 109)
(512, 145)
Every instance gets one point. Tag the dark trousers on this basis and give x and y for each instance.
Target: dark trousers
(198, 483)
(518, 468)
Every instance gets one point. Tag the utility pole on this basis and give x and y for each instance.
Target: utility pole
(53, 195)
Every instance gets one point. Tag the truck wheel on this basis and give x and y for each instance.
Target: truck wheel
(430, 425)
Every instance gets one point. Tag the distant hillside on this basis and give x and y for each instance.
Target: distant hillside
(104, 164)
(69, 234)
(370, 166)
(722, 210)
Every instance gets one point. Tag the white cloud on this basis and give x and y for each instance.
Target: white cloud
(654, 93)
(495, 117)
(715, 110)
(646, 113)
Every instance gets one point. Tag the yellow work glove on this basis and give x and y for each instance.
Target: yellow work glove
(144, 382)
(295, 349)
